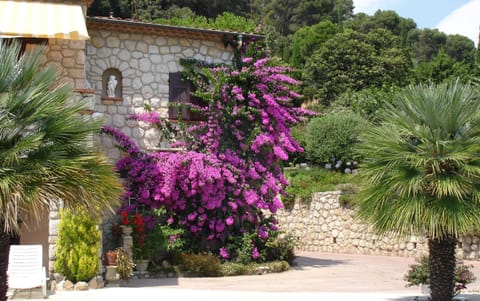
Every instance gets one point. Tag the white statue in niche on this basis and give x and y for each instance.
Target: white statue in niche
(111, 85)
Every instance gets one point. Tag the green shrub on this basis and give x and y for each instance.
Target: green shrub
(78, 246)
(224, 21)
(349, 192)
(205, 265)
(280, 247)
(298, 133)
(333, 137)
(419, 274)
(242, 252)
(367, 102)
(236, 269)
(277, 247)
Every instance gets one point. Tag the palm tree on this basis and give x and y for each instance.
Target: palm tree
(46, 149)
(422, 172)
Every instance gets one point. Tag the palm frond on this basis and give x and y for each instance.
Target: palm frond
(46, 152)
(422, 163)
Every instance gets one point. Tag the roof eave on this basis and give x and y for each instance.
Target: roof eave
(169, 30)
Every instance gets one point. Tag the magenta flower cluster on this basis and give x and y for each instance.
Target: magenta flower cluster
(229, 178)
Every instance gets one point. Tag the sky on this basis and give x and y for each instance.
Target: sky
(450, 16)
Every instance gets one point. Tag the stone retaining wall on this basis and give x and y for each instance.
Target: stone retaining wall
(327, 226)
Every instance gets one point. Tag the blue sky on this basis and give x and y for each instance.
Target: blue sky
(450, 16)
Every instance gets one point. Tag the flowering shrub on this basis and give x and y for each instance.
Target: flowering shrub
(229, 178)
(168, 131)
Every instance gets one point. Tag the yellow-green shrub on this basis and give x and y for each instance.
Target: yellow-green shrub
(78, 246)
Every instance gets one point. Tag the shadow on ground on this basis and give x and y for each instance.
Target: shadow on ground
(461, 297)
(152, 282)
(302, 262)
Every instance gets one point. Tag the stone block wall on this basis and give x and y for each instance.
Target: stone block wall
(325, 225)
(144, 61)
(69, 57)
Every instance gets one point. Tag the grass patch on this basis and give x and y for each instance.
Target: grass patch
(304, 182)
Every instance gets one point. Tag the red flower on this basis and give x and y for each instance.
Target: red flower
(125, 220)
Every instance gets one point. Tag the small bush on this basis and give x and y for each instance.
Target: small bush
(279, 266)
(367, 102)
(280, 247)
(204, 265)
(125, 264)
(333, 136)
(419, 274)
(236, 269)
(243, 251)
(250, 248)
(78, 246)
(349, 192)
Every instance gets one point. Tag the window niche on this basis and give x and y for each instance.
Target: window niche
(112, 84)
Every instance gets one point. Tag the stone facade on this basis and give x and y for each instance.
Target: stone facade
(69, 57)
(327, 226)
(144, 61)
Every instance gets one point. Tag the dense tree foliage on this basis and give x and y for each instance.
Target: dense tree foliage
(152, 9)
(460, 48)
(287, 16)
(426, 43)
(354, 61)
(383, 19)
(309, 38)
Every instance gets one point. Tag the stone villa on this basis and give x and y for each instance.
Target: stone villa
(142, 59)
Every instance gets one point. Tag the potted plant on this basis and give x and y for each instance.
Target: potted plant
(125, 264)
(110, 258)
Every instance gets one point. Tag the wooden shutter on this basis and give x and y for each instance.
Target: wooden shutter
(180, 92)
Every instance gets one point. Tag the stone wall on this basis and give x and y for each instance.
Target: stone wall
(327, 226)
(87, 98)
(144, 61)
(69, 57)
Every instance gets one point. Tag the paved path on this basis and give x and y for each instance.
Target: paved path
(316, 276)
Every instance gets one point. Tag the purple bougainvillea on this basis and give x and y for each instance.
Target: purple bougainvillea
(229, 178)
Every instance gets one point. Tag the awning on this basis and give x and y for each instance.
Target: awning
(42, 20)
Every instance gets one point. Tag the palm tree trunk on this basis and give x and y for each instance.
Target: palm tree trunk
(4, 250)
(442, 264)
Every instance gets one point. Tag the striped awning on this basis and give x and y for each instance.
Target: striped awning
(42, 20)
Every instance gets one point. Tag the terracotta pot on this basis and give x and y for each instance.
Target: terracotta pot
(110, 258)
